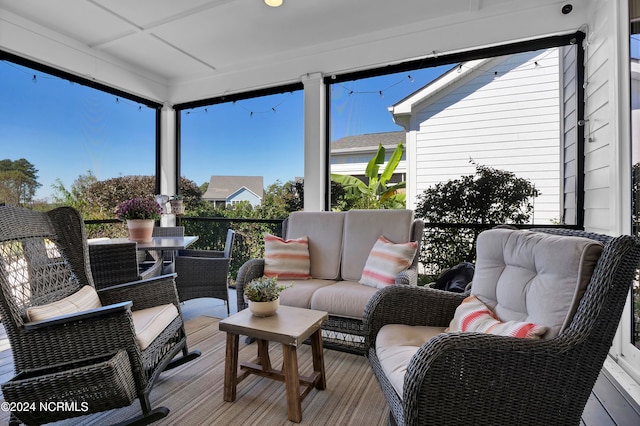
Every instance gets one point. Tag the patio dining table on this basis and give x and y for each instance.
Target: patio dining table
(162, 244)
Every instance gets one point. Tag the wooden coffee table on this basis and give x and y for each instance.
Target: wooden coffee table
(289, 326)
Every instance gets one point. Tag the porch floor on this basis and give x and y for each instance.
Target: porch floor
(607, 406)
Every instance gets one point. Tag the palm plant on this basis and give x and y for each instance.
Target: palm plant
(377, 193)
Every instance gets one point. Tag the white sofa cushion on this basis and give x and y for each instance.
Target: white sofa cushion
(361, 231)
(396, 344)
(532, 276)
(286, 259)
(85, 299)
(299, 293)
(344, 298)
(324, 230)
(386, 260)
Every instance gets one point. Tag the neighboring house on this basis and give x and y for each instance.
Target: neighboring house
(499, 112)
(350, 155)
(229, 190)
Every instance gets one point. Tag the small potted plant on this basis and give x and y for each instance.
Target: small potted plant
(140, 213)
(263, 295)
(177, 205)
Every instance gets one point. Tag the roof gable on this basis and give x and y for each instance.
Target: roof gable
(222, 187)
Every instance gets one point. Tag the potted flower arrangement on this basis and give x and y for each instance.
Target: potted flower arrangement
(263, 295)
(140, 213)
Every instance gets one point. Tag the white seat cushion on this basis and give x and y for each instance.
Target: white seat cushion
(345, 299)
(396, 344)
(300, 292)
(84, 299)
(149, 323)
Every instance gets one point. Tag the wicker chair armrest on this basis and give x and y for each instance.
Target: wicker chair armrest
(79, 337)
(410, 305)
(78, 316)
(480, 364)
(201, 253)
(250, 270)
(144, 293)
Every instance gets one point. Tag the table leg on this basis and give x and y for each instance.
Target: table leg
(263, 354)
(231, 367)
(292, 382)
(318, 359)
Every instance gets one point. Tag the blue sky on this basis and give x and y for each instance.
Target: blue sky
(67, 129)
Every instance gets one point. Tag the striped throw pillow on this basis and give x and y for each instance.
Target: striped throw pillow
(473, 315)
(286, 259)
(386, 260)
(84, 299)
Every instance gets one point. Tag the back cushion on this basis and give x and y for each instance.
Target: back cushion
(362, 228)
(532, 276)
(324, 230)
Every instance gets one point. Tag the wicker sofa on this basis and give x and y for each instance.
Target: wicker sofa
(339, 246)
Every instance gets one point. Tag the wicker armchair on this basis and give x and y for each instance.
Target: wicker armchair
(204, 273)
(482, 379)
(113, 264)
(95, 355)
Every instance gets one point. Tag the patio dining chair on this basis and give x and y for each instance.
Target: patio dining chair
(444, 358)
(205, 273)
(70, 342)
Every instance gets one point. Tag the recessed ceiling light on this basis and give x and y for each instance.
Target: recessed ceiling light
(273, 3)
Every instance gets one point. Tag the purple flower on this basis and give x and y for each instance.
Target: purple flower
(139, 208)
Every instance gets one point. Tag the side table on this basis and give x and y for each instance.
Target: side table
(289, 326)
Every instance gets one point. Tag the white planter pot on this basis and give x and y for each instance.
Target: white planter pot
(264, 309)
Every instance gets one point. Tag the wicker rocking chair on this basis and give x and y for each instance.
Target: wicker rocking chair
(473, 378)
(92, 357)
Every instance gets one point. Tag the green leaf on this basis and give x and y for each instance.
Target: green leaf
(374, 164)
(392, 164)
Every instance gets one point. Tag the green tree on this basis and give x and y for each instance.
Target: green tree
(487, 198)
(376, 193)
(18, 182)
(74, 196)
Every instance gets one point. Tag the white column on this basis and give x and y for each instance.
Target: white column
(168, 158)
(315, 162)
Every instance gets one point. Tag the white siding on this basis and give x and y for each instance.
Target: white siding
(509, 122)
(570, 131)
(599, 160)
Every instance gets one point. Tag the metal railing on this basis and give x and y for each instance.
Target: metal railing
(249, 241)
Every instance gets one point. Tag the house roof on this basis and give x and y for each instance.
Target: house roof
(369, 140)
(446, 80)
(222, 187)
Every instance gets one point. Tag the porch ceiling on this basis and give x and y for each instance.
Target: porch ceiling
(189, 47)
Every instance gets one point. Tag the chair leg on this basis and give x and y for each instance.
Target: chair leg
(148, 415)
(186, 357)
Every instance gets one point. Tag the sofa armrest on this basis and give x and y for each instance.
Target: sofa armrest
(409, 305)
(250, 270)
(408, 277)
